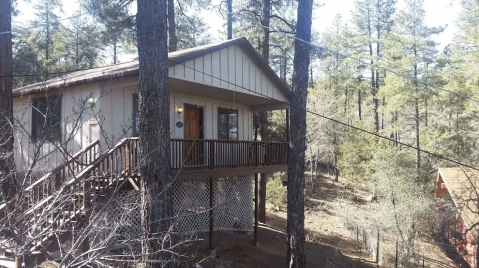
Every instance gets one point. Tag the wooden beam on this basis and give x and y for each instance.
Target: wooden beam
(270, 107)
(287, 125)
(200, 174)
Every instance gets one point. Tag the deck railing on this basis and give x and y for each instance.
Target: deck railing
(192, 155)
(52, 181)
(88, 175)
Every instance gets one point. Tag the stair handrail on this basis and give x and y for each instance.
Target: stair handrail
(74, 158)
(100, 159)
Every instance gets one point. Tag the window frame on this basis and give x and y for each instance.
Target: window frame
(228, 112)
(37, 132)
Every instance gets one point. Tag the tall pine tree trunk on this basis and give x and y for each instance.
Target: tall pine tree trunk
(7, 165)
(263, 116)
(173, 40)
(373, 81)
(229, 4)
(154, 125)
(296, 154)
(359, 104)
(6, 102)
(416, 115)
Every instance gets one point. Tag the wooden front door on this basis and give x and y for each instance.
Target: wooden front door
(193, 123)
(194, 133)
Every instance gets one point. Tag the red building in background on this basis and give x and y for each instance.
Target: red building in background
(459, 185)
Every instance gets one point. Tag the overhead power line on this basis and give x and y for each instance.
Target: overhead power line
(335, 121)
(53, 73)
(43, 24)
(356, 59)
(308, 111)
(301, 40)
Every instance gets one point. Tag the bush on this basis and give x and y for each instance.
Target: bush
(275, 191)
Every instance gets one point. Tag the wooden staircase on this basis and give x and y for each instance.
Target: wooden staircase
(61, 199)
(48, 211)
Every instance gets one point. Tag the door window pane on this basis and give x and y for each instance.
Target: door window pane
(227, 125)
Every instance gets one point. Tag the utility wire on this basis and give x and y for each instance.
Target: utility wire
(43, 24)
(301, 40)
(334, 120)
(308, 111)
(356, 59)
(53, 73)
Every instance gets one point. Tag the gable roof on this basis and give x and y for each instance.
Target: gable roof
(461, 183)
(132, 68)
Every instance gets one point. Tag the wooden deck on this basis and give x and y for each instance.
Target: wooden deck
(214, 158)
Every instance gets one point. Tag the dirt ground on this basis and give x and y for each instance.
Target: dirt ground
(330, 237)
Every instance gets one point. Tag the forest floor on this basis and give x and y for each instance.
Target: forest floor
(332, 212)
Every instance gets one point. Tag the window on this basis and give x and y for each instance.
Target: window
(135, 117)
(227, 124)
(46, 118)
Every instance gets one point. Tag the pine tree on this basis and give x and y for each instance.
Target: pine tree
(6, 102)
(191, 30)
(154, 128)
(296, 154)
(406, 54)
(83, 46)
(46, 16)
(373, 20)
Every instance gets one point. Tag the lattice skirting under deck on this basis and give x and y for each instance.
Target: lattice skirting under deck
(232, 209)
(232, 204)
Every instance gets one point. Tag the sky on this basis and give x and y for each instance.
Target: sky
(438, 13)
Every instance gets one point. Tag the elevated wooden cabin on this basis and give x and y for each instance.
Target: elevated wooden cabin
(80, 129)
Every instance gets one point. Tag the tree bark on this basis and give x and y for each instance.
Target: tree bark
(7, 163)
(416, 115)
(373, 81)
(264, 41)
(154, 126)
(359, 104)
(6, 101)
(173, 40)
(230, 18)
(296, 154)
(263, 116)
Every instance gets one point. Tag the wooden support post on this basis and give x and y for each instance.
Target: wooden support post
(357, 236)
(18, 259)
(377, 250)
(87, 201)
(257, 154)
(262, 198)
(396, 261)
(212, 155)
(256, 207)
(211, 214)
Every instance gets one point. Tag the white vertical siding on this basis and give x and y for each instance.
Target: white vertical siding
(229, 68)
(210, 115)
(75, 129)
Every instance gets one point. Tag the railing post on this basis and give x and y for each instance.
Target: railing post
(257, 154)
(267, 157)
(212, 155)
(127, 156)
